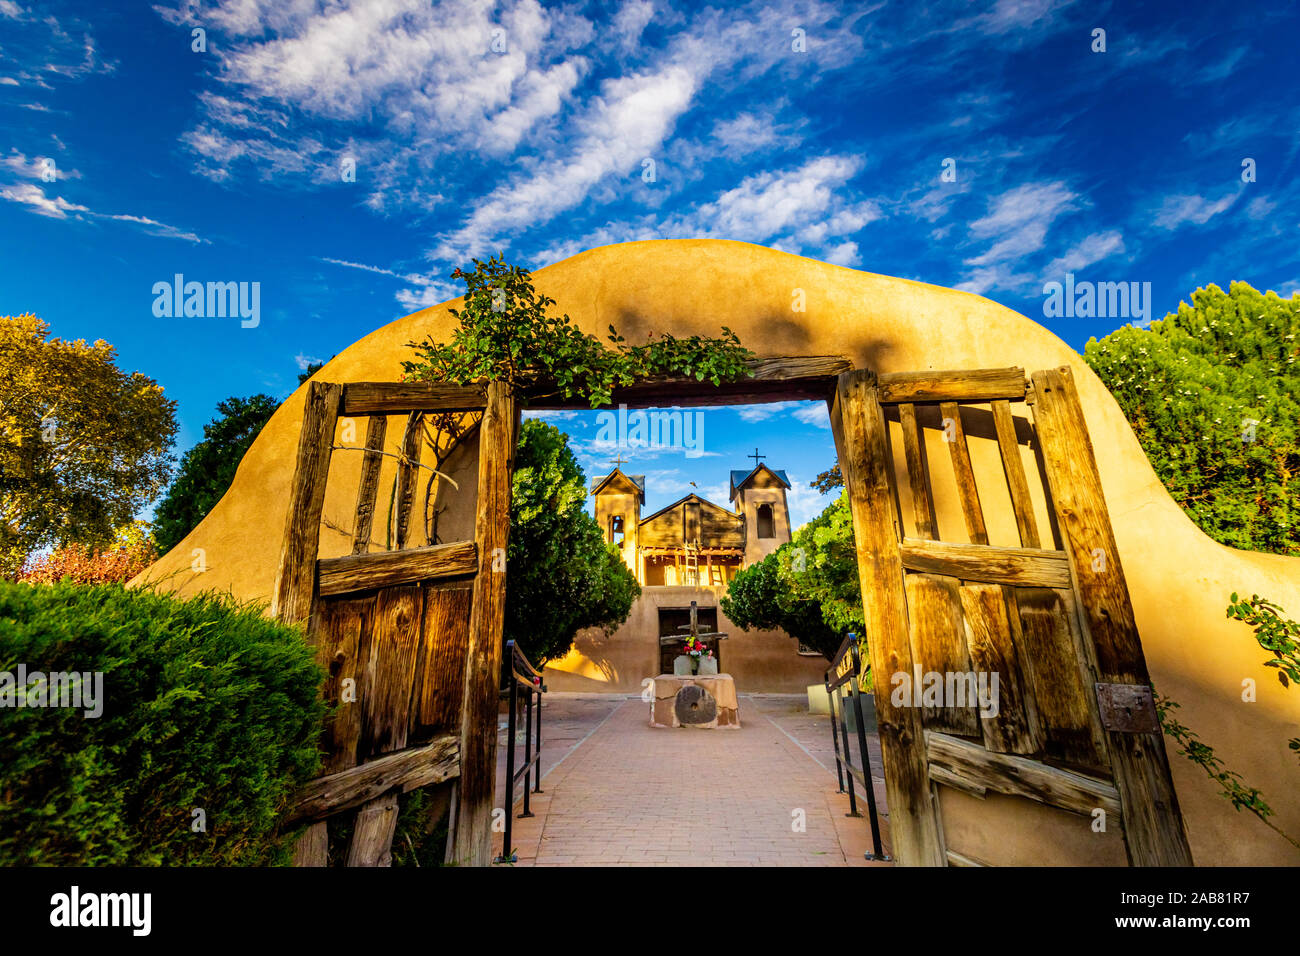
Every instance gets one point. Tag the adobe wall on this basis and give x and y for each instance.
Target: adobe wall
(762, 662)
(1180, 579)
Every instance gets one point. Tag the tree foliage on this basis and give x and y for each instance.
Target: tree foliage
(756, 598)
(207, 470)
(562, 574)
(809, 587)
(132, 552)
(1213, 393)
(506, 334)
(83, 445)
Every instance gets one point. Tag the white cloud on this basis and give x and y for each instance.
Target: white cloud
(38, 167)
(427, 290)
(1093, 248)
(55, 207)
(1175, 211)
(1019, 219)
(813, 413)
(628, 122)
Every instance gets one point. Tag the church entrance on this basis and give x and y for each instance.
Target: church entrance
(675, 627)
(984, 550)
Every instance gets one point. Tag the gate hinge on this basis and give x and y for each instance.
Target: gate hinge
(1127, 708)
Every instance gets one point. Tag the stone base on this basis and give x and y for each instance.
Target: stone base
(710, 704)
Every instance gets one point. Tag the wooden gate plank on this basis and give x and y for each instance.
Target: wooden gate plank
(372, 835)
(368, 489)
(1055, 660)
(291, 598)
(472, 841)
(939, 646)
(982, 562)
(408, 475)
(1153, 824)
(360, 572)
(390, 670)
(918, 478)
(860, 440)
(341, 648)
(441, 680)
(404, 770)
(964, 385)
(967, 492)
(1014, 467)
(1002, 773)
(1014, 729)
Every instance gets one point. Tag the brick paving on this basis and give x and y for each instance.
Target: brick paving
(626, 794)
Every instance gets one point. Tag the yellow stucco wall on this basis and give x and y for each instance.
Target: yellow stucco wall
(1180, 580)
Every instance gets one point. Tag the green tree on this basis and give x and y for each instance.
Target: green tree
(562, 574)
(83, 444)
(756, 598)
(207, 470)
(1213, 393)
(809, 587)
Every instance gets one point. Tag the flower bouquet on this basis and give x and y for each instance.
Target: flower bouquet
(696, 649)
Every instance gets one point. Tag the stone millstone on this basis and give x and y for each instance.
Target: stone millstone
(695, 705)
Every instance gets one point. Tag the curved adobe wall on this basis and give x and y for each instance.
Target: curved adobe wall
(1180, 580)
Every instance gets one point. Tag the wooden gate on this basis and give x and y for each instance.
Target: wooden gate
(419, 629)
(411, 637)
(1074, 726)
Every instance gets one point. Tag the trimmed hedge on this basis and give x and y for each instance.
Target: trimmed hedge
(207, 705)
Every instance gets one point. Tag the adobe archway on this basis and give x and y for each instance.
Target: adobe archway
(1178, 578)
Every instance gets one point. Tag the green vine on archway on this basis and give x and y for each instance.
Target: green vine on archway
(506, 333)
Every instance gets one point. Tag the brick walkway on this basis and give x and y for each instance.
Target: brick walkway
(629, 794)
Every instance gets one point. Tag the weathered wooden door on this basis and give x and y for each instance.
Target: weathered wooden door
(1070, 723)
(411, 636)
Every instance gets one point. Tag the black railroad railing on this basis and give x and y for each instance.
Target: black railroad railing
(525, 682)
(846, 671)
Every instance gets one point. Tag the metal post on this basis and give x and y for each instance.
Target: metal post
(848, 754)
(538, 785)
(506, 855)
(876, 852)
(835, 734)
(528, 747)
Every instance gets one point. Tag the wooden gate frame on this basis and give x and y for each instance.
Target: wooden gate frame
(1152, 821)
(468, 758)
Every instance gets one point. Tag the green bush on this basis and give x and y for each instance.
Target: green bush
(206, 705)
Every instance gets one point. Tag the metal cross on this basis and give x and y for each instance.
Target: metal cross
(756, 456)
(620, 460)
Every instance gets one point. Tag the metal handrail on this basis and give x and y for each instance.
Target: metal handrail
(521, 674)
(845, 769)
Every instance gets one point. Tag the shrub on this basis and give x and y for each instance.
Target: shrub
(205, 704)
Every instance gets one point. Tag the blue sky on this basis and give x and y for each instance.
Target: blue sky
(818, 128)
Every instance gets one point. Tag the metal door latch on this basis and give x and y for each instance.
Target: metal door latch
(1127, 708)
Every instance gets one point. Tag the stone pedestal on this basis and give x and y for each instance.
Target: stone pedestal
(707, 702)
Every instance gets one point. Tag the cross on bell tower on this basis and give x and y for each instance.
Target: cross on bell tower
(756, 456)
(619, 460)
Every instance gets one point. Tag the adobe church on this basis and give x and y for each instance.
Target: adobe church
(689, 551)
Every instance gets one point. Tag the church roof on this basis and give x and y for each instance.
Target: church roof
(739, 478)
(637, 481)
